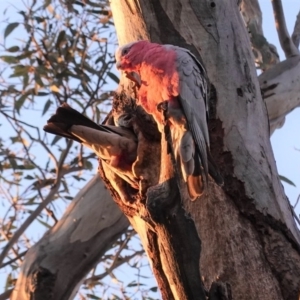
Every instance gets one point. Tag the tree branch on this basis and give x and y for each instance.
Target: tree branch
(279, 90)
(115, 264)
(296, 33)
(30, 219)
(88, 228)
(286, 42)
(40, 208)
(13, 260)
(6, 294)
(265, 54)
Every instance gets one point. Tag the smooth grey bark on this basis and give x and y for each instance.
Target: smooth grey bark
(55, 266)
(296, 32)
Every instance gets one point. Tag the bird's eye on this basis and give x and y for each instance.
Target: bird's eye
(125, 51)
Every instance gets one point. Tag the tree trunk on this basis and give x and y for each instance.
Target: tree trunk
(250, 244)
(54, 268)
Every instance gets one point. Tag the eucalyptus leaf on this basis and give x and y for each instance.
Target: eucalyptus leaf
(286, 180)
(10, 28)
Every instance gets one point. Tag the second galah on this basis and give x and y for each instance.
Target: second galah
(170, 78)
(115, 146)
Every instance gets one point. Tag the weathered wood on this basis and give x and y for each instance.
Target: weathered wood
(279, 81)
(286, 42)
(246, 229)
(55, 266)
(280, 87)
(296, 32)
(265, 53)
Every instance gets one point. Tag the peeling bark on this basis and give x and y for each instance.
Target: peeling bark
(265, 54)
(54, 267)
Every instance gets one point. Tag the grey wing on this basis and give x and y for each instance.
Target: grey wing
(193, 98)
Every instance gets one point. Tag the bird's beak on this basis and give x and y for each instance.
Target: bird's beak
(118, 56)
(134, 77)
(118, 65)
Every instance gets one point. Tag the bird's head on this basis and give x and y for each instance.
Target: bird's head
(129, 58)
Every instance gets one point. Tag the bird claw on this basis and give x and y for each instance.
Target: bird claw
(125, 120)
(143, 186)
(162, 106)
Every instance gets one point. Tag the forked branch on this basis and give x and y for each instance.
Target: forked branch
(296, 33)
(286, 42)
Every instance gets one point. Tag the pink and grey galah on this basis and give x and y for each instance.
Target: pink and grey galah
(170, 78)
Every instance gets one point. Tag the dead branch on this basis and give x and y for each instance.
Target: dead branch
(286, 42)
(116, 263)
(296, 32)
(265, 53)
(7, 263)
(280, 90)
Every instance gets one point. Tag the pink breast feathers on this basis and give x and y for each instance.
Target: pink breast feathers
(160, 81)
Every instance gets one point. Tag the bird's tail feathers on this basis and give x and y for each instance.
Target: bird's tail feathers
(60, 129)
(65, 117)
(197, 182)
(195, 186)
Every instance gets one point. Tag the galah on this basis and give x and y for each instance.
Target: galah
(115, 146)
(171, 78)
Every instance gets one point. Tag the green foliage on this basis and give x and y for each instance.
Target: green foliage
(53, 52)
(10, 28)
(286, 180)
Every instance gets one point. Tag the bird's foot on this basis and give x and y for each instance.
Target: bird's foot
(143, 186)
(125, 120)
(162, 106)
